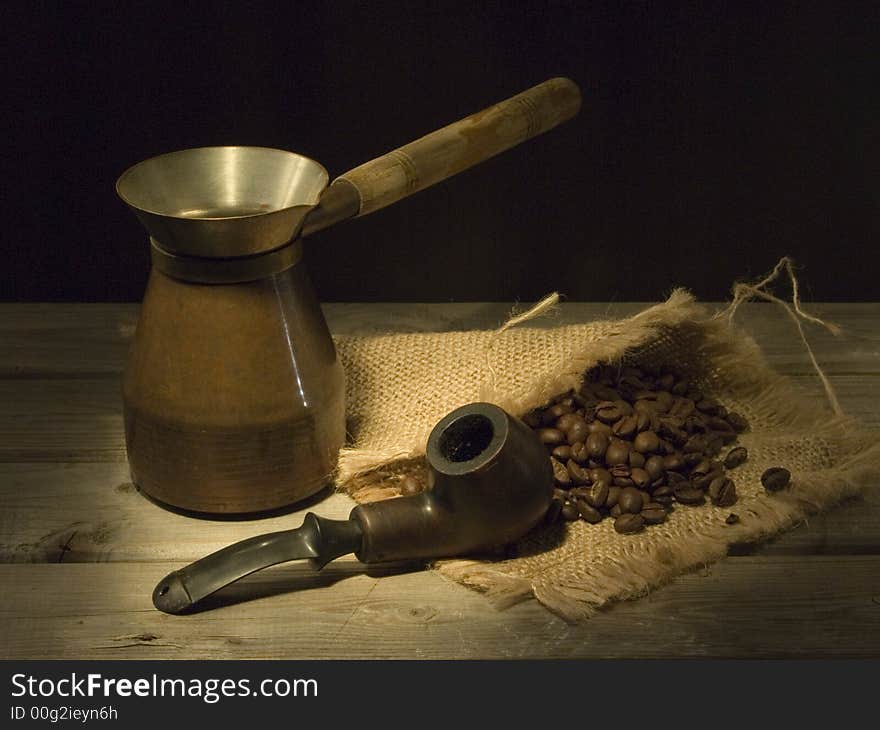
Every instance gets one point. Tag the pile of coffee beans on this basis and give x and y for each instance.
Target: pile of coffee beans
(632, 443)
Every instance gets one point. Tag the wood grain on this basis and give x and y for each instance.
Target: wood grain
(91, 340)
(747, 607)
(90, 512)
(82, 549)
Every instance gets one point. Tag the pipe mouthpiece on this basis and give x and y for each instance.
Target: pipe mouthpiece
(171, 595)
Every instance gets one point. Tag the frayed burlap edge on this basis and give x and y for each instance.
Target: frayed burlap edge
(636, 572)
(639, 571)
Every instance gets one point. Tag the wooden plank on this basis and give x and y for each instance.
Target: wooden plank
(90, 512)
(61, 420)
(64, 339)
(78, 512)
(81, 420)
(748, 607)
(82, 340)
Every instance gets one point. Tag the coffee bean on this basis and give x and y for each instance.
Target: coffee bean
(560, 474)
(597, 444)
(555, 412)
(673, 462)
(664, 401)
(577, 431)
(563, 423)
(666, 381)
(621, 475)
(630, 500)
(714, 444)
(553, 512)
(589, 513)
(775, 478)
(682, 408)
(410, 485)
(578, 452)
(629, 523)
(617, 453)
(613, 497)
(689, 495)
(626, 426)
(737, 422)
(722, 491)
(727, 437)
(578, 474)
(599, 427)
(563, 453)
(654, 515)
(674, 478)
(551, 436)
(600, 474)
(609, 412)
(647, 442)
(735, 457)
(654, 467)
(636, 440)
(716, 423)
(598, 494)
(570, 512)
(732, 518)
(605, 393)
(708, 406)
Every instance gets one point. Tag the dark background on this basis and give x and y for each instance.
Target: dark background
(714, 138)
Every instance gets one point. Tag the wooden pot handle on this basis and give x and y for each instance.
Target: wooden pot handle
(462, 144)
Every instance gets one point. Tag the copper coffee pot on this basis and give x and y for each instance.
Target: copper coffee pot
(233, 394)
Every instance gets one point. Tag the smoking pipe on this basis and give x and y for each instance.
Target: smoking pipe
(489, 482)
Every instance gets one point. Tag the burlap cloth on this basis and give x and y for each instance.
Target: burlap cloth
(400, 385)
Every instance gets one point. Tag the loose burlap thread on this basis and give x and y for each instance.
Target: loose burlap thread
(400, 385)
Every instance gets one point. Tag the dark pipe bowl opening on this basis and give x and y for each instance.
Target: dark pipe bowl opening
(466, 438)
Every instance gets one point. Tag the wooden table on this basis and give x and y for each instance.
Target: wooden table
(81, 549)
